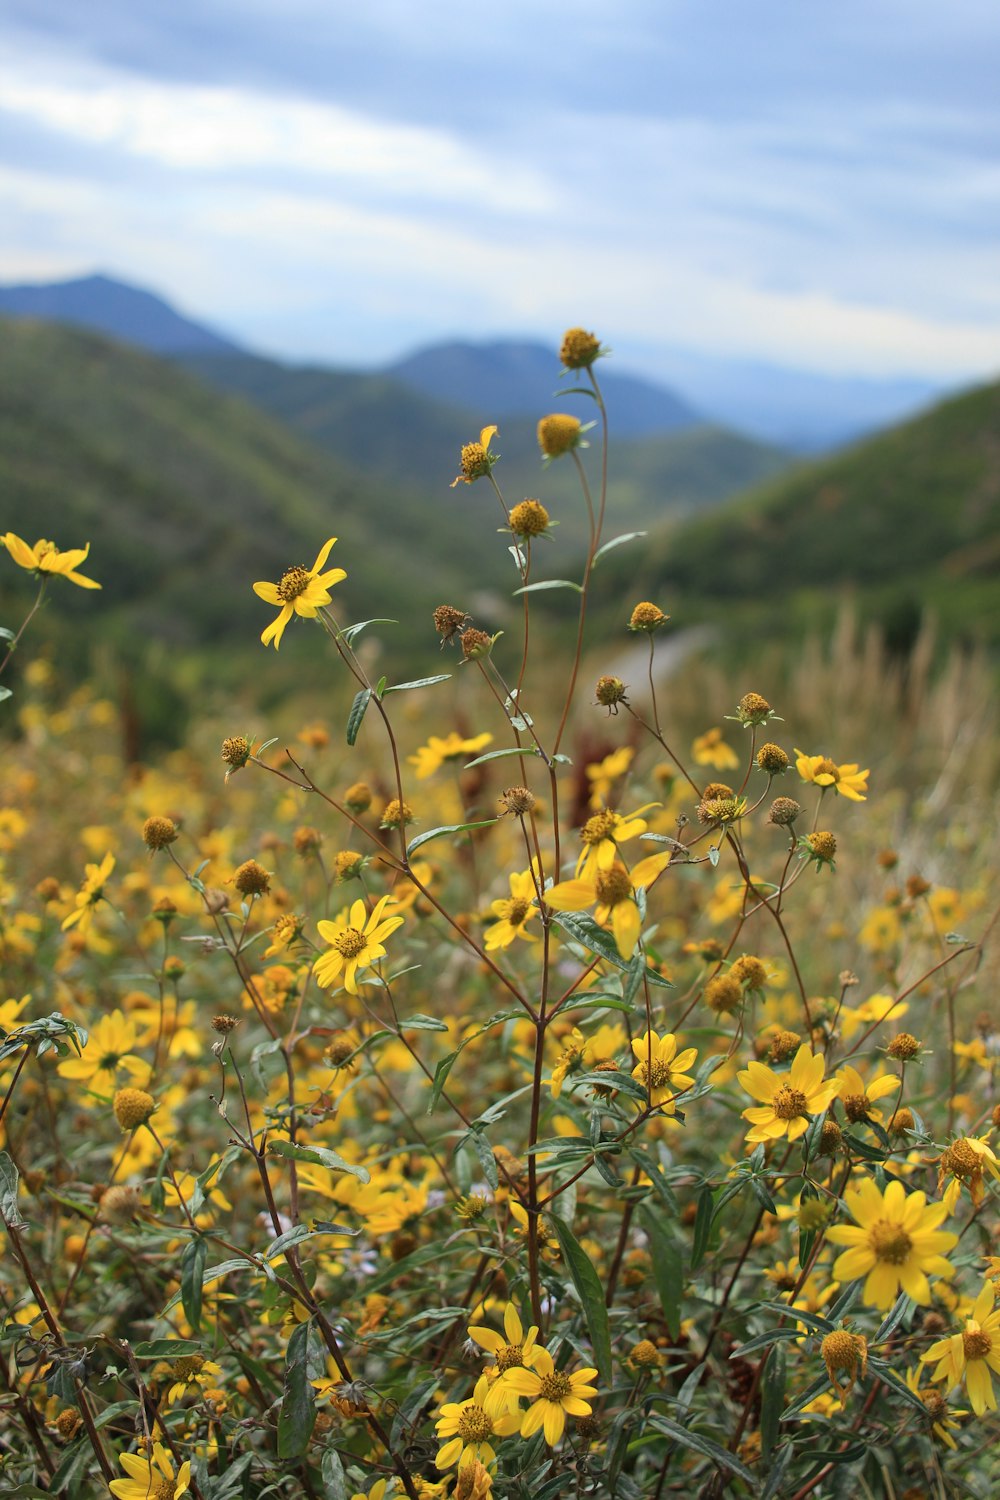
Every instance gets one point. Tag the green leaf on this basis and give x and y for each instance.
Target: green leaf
(446, 1064)
(882, 1372)
(7, 635)
(623, 1082)
(591, 1294)
(192, 1280)
(765, 1340)
(224, 1268)
(301, 1233)
(362, 698)
(486, 1158)
(437, 833)
(658, 1181)
(6, 692)
(333, 1476)
(422, 1023)
(351, 632)
(549, 583)
(595, 939)
(772, 1398)
(298, 1399)
(321, 1155)
(702, 1225)
(668, 1267)
(401, 687)
(703, 1445)
(166, 1348)
(8, 1193)
(616, 541)
(410, 1409)
(500, 754)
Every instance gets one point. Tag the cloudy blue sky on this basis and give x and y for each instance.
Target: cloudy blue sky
(813, 184)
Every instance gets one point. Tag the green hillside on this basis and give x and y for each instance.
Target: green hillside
(187, 497)
(908, 521)
(383, 428)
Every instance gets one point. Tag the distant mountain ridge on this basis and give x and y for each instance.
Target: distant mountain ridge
(128, 313)
(511, 378)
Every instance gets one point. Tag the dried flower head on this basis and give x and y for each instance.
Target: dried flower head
(157, 833)
(784, 1044)
(648, 617)
(579, 349)
(119, 1203)
(724, 995)
(772, 759)
(476, 459)
(251, 879)
(753, 709)
(448, 621)
(358, 797)
(476, 644)
(749, 971)
(559, 434)
(225, 1023)
(784, 811)
(133, 1107)
(236, 751)
(517, 801)
(529, 518)
(820, 846)
(904, 1046)
(306, 840)
(611, 691)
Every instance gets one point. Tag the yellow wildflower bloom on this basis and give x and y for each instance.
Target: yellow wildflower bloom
(603, 774)
(973, 1353)
(107, 1053)
(661, 1069)
(942, 1416)
(858, 1097)
(875, 1008)
(893, 1243)
(552, 1394)
(356, 940)
(90, 894)
(299, 591)
(822, 771)
(512, 913)
(151, 1478)
(45, 559)
(601, 835)
(437, 751)
(612, 894)
(788, 1100)
(710, 749)
(476, 459)
(513, 1349)
(469, 1428)
(966, 1161)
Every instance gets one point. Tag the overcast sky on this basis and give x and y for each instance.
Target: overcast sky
(813, 184)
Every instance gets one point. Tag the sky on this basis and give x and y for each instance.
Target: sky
(809, 184)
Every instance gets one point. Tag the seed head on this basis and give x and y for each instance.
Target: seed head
(579, 349)
(750, 972)
(448, 621)
(164, 910)
(904, 1046)
(68, 1423)
(517, 801)
(784, 811)
(396, 814)
(510, 1164)
(306, 840)
(717, 789)
(157, 833)
(476, 462)
(559, 434)
(133, 1107)
(225, 1023)
(236, 752)
(822, 847)
(784, 1044)
(772, 759)
(348, 864)
(119, 1204)
(723, 995)
(901, 1122)
(339, 1050)
(753, 709)
(714, 810)
(476, 644)
(831, 1138)
(251, 879)
(529, 518)
(648, 617)
(358, 797)
(610, 693)
(645, 1354)
(916, 886)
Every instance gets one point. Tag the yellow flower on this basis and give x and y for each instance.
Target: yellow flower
(974, 1353)
(90, 893)
(476, 459)
(355, 939)
(151, 1479)
(377, 1492)
(603, 774)
(601, 835)
(45, 559)
(437, 751)
(108, 1052)
(552, 1393)
(819, 769)
(875, 1008)
(894, 1242)
(514, 1349)
(612, 894)
(661, 1069)
(710, 749)
(942, 1415)
(788, 1099)
(300, 591)
(966, 1161)
(858, 1098)
(469, 1428)
(512, 913)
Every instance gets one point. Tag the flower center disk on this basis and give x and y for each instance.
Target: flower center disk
(789, 1103)
(890, 1242)
(350, 942)
(294, 582)
(474, 1426)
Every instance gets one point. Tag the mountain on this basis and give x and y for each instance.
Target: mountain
(795, 409)
(389, 431)
(505, 378)
(123, 312)
(188, 497)
(906, 521)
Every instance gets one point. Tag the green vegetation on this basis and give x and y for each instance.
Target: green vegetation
(908, 521)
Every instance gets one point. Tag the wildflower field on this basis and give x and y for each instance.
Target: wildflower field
(539, 1078)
